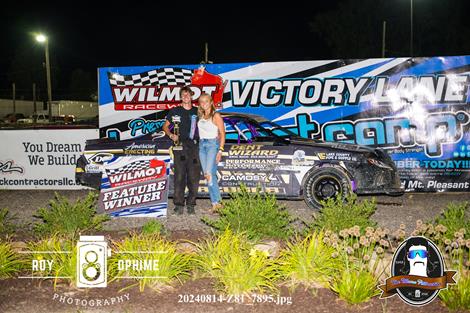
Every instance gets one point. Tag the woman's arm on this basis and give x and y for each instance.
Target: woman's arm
(219, 122)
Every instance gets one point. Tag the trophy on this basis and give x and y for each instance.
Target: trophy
(176, 120)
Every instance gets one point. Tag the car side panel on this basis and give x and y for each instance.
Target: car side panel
(258, 164)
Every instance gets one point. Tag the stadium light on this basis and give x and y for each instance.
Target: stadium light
(41, 38)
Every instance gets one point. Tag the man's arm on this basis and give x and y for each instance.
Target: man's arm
(166, 129)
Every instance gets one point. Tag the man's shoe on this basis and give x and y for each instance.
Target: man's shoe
(179, 210)
(190, 210)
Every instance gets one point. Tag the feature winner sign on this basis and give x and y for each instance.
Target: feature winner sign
(417, 110)
(134, 185)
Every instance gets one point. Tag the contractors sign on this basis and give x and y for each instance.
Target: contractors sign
(41, 159)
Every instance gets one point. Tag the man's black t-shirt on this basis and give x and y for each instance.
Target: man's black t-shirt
(188, 122)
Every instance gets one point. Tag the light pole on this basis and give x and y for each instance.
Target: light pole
(411, 28)
(44, 40)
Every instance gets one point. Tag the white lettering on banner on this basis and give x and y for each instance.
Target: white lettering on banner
(125, 94)
(133, 195)
(310, 91)
(138, 265)
(131, 191)
(47, 157)
(168, 94)
(139, 199)
(348, 91)
(41, 265)
(152, 94)
(135, 175)
(448, 88)
(447, 185)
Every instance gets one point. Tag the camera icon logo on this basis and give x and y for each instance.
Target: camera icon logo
(92, 254)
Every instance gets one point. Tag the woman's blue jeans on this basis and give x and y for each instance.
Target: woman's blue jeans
(208, 149)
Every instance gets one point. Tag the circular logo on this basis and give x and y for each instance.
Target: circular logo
(91, 270)
(298, 156)
(416, 265)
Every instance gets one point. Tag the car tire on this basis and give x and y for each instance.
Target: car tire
(323, 183)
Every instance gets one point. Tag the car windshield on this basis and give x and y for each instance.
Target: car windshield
(248, 130)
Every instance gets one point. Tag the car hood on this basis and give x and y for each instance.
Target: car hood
(333, 145)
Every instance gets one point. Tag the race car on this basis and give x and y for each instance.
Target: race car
(262, 155)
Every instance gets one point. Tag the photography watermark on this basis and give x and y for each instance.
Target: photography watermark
(417, 272)
(93, 302)
(249, 299)
(92, 254)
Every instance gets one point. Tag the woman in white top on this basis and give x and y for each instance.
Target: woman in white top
(211, 144)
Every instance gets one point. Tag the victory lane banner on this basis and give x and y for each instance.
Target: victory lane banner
(416, 109)
(135, 186)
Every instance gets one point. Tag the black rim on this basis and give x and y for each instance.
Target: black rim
(326, 187)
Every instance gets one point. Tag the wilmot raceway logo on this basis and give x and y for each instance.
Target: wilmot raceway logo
(417, 272)
(136, 172)
(159, 89)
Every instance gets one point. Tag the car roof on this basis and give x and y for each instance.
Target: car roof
(257, 118)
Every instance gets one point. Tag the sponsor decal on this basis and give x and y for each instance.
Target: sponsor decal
(133, 196)
(247, 176)
(140, 148)
(298, 157)
(136, 172)
(135, 185)
(100, 158)
(159, 89)
(93, 168)
(340, 156)
(236, 187)
(251, 150)
(252, 164)
(145, 126)
(417, 272)
(42, 158)
(431, 131)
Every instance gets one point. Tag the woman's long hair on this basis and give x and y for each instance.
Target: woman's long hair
(201, 112)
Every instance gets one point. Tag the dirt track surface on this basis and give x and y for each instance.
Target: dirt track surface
(25, 295)
(42, 298)
(391, 211)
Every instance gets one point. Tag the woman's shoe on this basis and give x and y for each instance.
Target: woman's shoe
(216, 207)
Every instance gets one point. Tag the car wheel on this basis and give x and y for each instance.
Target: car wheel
(323, 183)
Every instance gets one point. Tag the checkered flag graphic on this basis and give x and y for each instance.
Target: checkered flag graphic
(168, 76)
(134, 166)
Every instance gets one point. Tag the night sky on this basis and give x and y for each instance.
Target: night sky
(85, 36)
